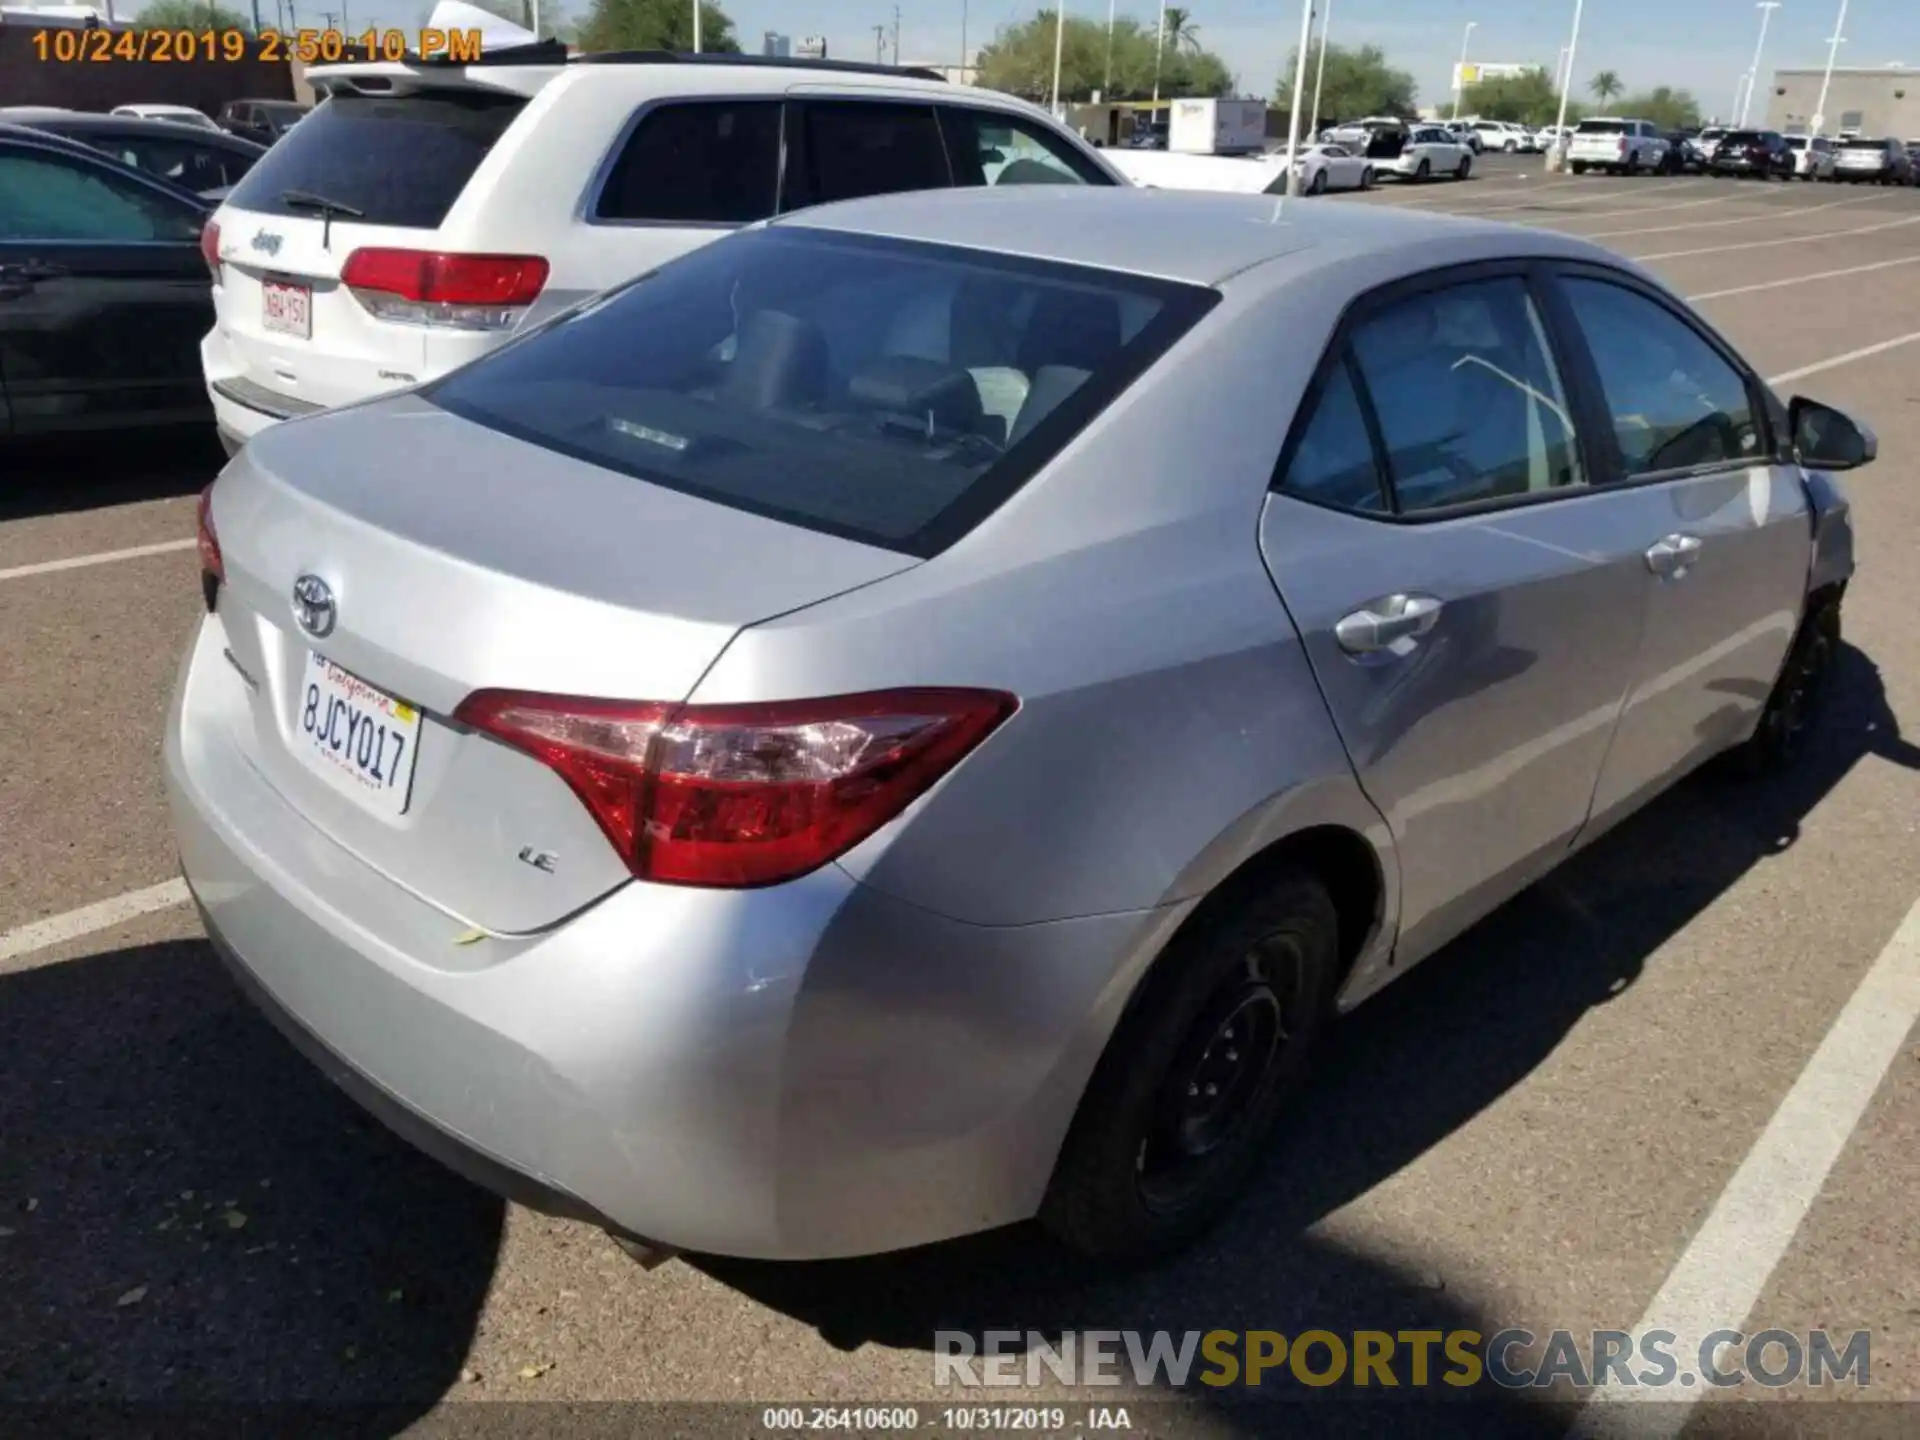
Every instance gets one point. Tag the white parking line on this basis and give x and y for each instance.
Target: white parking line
(1593, 199)
(1771, 212)
(56, 929)
(1770, 244)
(104, 557)
(1649, 210)
(1720, 1275)
(1847, 359)
(1803, 279)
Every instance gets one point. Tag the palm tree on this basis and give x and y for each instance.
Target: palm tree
(1182, 33)
(1606, 85)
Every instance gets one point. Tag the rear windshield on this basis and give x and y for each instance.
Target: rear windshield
(887, 392)
(1796, 142)
(1863, 145)
(1745, 137)
(399, 160)
(1603, 127)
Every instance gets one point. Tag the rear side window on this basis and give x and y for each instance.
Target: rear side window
(1469, 402)
(1602, 127)
(48, 197)
(197, 167)
(994, 149)
(845, 149)
(1675, 401)
(892, 393)
(712, 162)
(399, 160)
(1332, 462)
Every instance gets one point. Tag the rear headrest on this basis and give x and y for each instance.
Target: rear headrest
(1399, 335)
(916, 389)
(1076, 328)
(780, 362)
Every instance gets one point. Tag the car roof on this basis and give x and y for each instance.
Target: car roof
(1196, 237)
(81, 123)
(660, 71)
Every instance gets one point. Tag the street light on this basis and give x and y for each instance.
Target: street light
(1460, 72)
(1833, 49)
(1573, 46)
(1299, 89)
(1738, 110)
(1059, 44)
(1106, 86)
(696, 27)
(1159, 44)
(1766, 9)
(1320, 69)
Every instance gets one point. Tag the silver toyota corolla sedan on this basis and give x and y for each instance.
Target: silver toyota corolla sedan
(914, 717)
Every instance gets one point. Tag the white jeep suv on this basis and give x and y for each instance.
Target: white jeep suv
(1624, 147)
(426, 212)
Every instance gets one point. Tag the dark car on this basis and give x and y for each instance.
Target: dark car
(1762, 154)
(104, 292)
(261, 121)
(202, 161)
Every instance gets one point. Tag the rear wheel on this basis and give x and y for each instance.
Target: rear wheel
(1180, 1107)
(1366, 178)
(1464, 168)
(1579, 167)
(1319, 185)
(1423, 172)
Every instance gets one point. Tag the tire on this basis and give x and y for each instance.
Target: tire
(1464, 169)
(1799, 697)
(1579, 167)
(1366, 178)
(1513, 147)
(1148, 1164)
(1422, 173)
(1319, 185)
(1633, 162)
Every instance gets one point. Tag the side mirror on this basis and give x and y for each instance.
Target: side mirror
(1825, 439)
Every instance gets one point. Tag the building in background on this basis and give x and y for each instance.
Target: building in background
(1860, 100)
(811, 47)
(778, 47)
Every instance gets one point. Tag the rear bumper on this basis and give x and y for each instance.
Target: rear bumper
(805, 1071)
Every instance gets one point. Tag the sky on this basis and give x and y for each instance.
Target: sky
(1700, 45)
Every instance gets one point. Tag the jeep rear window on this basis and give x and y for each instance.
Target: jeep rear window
(401, 160)
(889, 392)
(1603, 127)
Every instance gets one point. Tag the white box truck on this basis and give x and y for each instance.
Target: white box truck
(1217, 127)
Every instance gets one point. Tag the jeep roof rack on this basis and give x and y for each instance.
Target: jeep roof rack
(772, 62)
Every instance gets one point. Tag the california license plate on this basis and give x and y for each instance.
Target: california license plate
(361, 740)
(286, 309)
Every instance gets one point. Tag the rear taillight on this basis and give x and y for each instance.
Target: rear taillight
(1623, 144)
(210, 249)
(213, 568)
(465, 292)
(740, 795)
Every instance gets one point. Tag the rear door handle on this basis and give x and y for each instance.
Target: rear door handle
(1672, 555)
(32, 270)
(1386, 622)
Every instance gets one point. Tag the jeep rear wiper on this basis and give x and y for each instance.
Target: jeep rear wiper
(307, 200)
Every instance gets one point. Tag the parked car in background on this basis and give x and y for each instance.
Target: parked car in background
(1327, 167)
(1547, 136)
(1419, 153)
(1466, 134)
(426, 212)
(704, 769)
(1753, 154)
(1884, 161)
(1707, 140)
(203, 161)
(1359, 134)
(1912, 147)
(1505, 136)
(1623, 147)
(1813, 156)
(177, 114)
(103, 292)
(261, 121)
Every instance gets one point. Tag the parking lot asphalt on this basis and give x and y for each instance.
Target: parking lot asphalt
(1540, 1128)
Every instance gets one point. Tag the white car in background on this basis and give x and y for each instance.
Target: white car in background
(1425, 152)
(1813, 156)
(1505, 136)
(1547, 136)
(178, 114)
(1332, 167)
(1624, 147)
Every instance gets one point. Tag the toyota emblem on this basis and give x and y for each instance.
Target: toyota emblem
(314, 607)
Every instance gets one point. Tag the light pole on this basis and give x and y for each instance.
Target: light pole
(1320, 66)
(1766, 9)
(1833, 49)
(1460, 71)
(696, 27)
(1159, 44)
(963, 42)
(1573, 47)
(1560, 76)
(1299, 89)
(1739, 110)
(1059, 45)
(1106, 85)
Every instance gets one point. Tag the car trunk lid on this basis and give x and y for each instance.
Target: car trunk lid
(457, 559)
